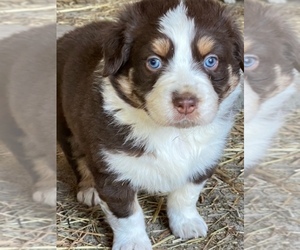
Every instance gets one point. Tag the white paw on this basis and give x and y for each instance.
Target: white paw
(46, 196)
(89, 197)
(229, 1)
(187, 226)
(132, 242)
(277, 1)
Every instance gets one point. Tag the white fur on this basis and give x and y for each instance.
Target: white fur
(184, 219)
(229, 1)
(277, 1)
(129, 233)
(87, 193)
(173, 155)
(263, 125)
(45, 195)
(89, 196)
(45, 188)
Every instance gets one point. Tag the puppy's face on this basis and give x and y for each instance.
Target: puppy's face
(176, 61)
(270, 55)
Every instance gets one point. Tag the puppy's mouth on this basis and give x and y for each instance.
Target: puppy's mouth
(188, 121)
(185, 123)
(183, 120)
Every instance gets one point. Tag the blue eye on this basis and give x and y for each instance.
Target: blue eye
(211, 62)
(251, 62)
(154, 63)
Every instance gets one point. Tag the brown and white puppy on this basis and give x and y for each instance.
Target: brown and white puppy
(271, 60)
(156, 116)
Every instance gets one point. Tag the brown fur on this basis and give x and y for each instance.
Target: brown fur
(205, 45)
(161, 46)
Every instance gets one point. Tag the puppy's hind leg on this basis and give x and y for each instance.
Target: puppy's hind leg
(87, 193)
(45, 188)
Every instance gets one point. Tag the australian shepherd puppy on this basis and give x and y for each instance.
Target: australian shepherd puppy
(271, 61)
(146, 103)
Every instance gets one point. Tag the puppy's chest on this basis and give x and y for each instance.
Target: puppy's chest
(171, 158)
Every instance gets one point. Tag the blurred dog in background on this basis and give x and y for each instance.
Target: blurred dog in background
(271, 61)
(28, 107)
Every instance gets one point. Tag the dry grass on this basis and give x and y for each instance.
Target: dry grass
(272, 215)
(24, 224)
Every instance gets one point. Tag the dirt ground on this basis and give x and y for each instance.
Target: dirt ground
(220, 204)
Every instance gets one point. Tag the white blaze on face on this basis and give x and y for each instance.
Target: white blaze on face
(182, 74)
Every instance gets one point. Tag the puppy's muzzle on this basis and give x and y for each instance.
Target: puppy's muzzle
(185, 103)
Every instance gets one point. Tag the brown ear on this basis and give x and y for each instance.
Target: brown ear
(236, 13)
(294, 53)
(116, 48)
(289, 33)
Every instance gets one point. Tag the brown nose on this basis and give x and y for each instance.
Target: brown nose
(185, 103)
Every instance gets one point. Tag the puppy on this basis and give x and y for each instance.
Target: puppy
(271, 58)
(27, 106)
(154, 114)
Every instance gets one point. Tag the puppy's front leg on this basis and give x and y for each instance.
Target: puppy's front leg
(184, 219)
(125, 216)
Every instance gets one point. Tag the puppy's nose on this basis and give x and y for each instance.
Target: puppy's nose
(185, 103)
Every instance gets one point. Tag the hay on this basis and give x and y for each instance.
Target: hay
(24, 224)
(27, 13)
(272, 215)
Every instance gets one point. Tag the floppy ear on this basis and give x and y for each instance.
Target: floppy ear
(295, 54)
(290, 35)
(238, 42)
(292, 52)
(291, 42)
(237, 15)
(240, 57)
(116, 48)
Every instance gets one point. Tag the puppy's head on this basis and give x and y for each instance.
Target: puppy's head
(177, 60)
(271, 54)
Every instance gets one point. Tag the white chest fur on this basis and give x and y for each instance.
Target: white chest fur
(172, 155)
(261, 129)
